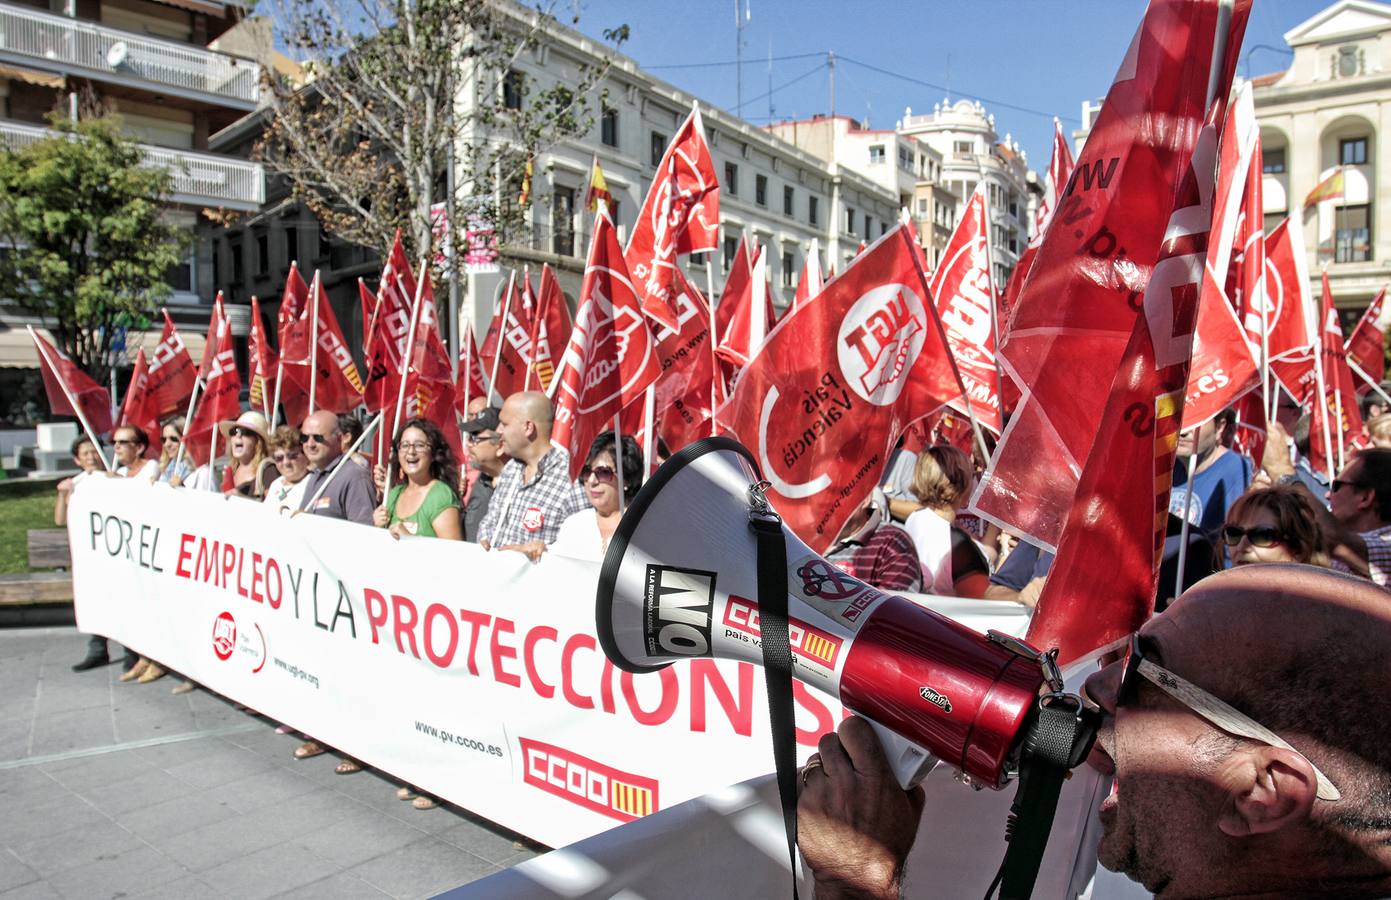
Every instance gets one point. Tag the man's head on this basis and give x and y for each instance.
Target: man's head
(475, 406)
(320, 436)
(525, 425)
(130, 443)
(485, 451)
(1360, 497)
(1201, 440)
(85, 455)
(1199, 811)
(349, 430)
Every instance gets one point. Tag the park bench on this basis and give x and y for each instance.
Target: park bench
(48, 549)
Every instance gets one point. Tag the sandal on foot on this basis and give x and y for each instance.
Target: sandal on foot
(308, 749)
(153, 672)
(136, 670)
(405, 793)
(424, 802)
(348, 767)
(185, 687)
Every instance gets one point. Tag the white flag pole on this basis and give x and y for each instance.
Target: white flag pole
(714, 339)
(501, 334)
(407, 355)
(188, 417)
(1183, 528)
(1360, 373)
(649, 402)
(618, 458)
(77, 410)
(313, 338)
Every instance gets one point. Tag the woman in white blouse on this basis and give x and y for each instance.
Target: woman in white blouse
(586, 534)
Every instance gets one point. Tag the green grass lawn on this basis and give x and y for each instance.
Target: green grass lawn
(23, 505)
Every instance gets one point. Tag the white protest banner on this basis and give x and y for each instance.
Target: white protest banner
(474, 676)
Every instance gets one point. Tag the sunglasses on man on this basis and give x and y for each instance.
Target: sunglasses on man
(1216, 712)
(316, 438)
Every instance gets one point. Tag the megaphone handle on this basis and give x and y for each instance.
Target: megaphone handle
(910, 762)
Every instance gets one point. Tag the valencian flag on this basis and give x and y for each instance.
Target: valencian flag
(550, 331)
(1331, 188)
(171, 370)
(680, 215)
(611, 357)
(835, 384)
(64, 379)
(1077, 308)
(965, 296)
(1289, 311)
(262, 361)
(221, 387)
(809, 285)
(1222, 367)
(471, 381)
(1328, 447)
(598, 190)
(1366, 346)
(506, 347)
(524, 195)
(138, 408)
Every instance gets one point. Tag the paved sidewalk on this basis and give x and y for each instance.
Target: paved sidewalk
(125, 790)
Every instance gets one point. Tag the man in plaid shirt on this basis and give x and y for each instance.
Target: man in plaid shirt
(534, 493)
(1360, 500)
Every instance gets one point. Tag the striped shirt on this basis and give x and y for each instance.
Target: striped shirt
(885, 559)
(520, 512)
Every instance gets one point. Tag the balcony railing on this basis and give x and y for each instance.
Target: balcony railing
(200, 179)
(122, 55)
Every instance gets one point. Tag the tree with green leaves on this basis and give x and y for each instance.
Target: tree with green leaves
(84, 244)
(396, 89)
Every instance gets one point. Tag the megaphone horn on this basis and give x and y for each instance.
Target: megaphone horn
(679, 581)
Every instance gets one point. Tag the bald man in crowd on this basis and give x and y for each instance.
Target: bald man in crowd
(1199, 810)
(350, 493)
(534, 493)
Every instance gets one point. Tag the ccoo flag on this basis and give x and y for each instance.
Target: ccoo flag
(171, 370)
(138, 408)
(1366, 346)
(835, 384)
(65, 382)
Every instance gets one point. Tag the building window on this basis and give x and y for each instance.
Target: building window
(1273, 160)
(291, 243)
(869, 228)
(263, 254)
(876, 154)
(731, 179)
(563, 221)
(849, 220)
(731, 249)
(961, 148)
(905, 159)
(659, 148)
(238, 273)
(608, 127)
(1353, 152)
(922, 206)
(787, 266)
(180, 275)
(813, 211)
(760, 190)
(1353, 234)
(512, 89)
(787, 201)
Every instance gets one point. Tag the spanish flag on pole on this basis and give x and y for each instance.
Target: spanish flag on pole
(598, 190)
(1331, 188)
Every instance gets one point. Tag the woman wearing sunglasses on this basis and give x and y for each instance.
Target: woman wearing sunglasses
(170, 467)
(287, 491)
(249, 468)
(586, 534)
(1273, 524)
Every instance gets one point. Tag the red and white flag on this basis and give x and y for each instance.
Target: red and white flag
(1078, 307)
(326, 375)
(837, 381)
(750, 320)
(1059, 173)
(965, 296)
(683, 399)
(550, 331)
(1289, 310)
(261, 358)
(1366, 346)
(1248, 278)
(809, 285)
(506, 347)
(429, 389)
(221, 387)
(66, 384)
(171, 370)
(138, 408)
(386, 330)
(471, 381)
(1223, 367)
(737, 282)
(1339, 399)
(680, 215)
(611, 357)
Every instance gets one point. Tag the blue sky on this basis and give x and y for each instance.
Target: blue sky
(1042, 56)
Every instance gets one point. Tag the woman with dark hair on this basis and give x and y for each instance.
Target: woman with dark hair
(422, 502)
(1274, 524)
(586, 534)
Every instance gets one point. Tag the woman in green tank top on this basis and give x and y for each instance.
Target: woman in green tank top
(422, 502)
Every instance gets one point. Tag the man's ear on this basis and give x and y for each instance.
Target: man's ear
(1269, 788)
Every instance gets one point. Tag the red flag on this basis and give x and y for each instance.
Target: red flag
(683, 400)
(367, 301)
(611, 357)
(750, 320)
(836, 383)
(471, 382)
(1059, 174)
(1327, 448)
(809, 285)
(429, 377)
(171, 370)
(550, 331)
(1077, 309)
(736, 284)
(1222, 367)
(336, 384)
(138, 409)
(221, 387)
(261, 359)
(64, 379)
(1250, 263)
(1289, 309)
(506, 347)
(680, 215)
(1366, 347)
(965, 296)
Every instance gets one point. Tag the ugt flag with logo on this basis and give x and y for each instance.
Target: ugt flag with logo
(835, 384)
